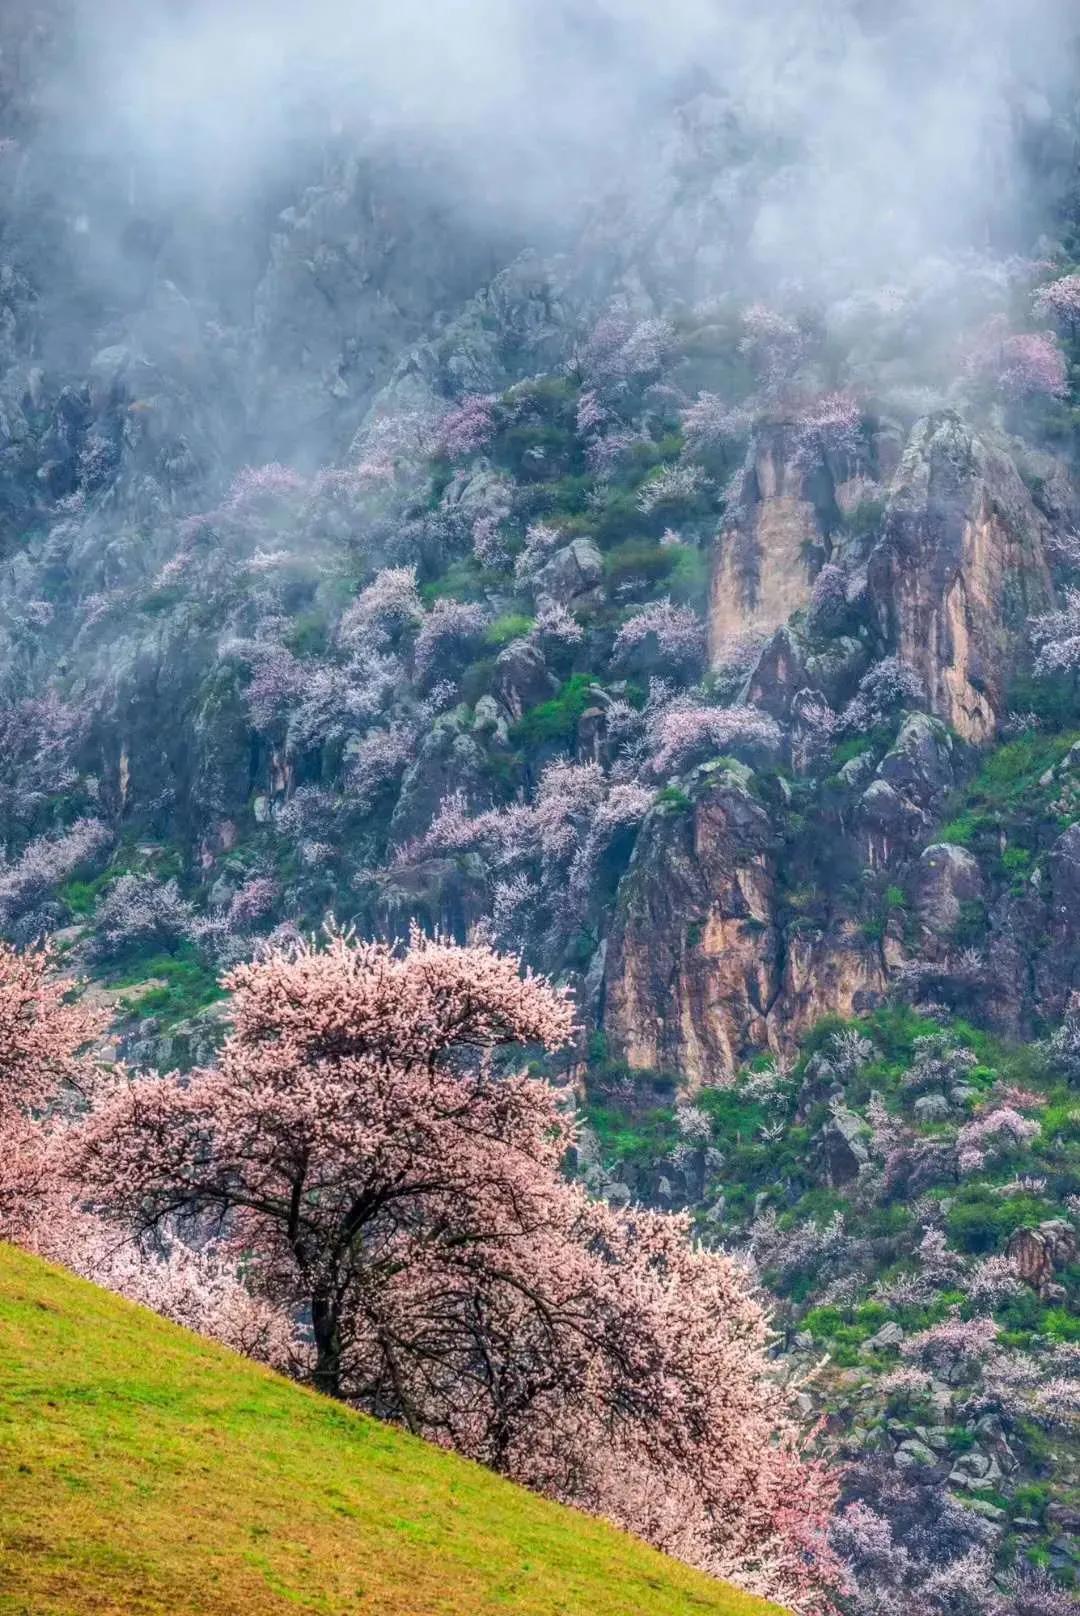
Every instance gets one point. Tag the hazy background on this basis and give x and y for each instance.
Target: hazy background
(889, 129)
(292, 196)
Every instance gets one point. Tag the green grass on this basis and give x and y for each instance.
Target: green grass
(1008, 791)
(183, 983)
(144, 1471)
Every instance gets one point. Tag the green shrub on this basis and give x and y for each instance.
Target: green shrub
(639, 559)
(1054, 700)
(464, 580)
(1061, 1324)
(672, 797)
(688, 580)
(81, 896)
(188, 983)
(556, 720)
(963, 831)
(511, 626)
(307, 634)
(980, 1221)
(1031, 1499)
(863, 521)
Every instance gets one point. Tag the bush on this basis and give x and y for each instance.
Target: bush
(980, 1221)
(556, 721)
(672, 797)
(188, 984)
(511, 626)
(639, 560)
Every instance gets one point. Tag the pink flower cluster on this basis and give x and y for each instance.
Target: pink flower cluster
(452, 627)
(676, 632)
(1056, 635)
(621, 349)
(468, 427)
(709, 423)
(1060, 300)
(1001, 1126)
(671, 485)
(1021, 365)
(47, 861)
(262, 485)
(388, 605)
(687, 732)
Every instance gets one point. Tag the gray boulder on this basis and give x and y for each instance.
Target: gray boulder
(572, 572)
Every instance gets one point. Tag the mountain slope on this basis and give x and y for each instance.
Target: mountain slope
(143, 1470)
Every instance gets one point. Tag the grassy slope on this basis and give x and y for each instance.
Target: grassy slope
(144, 1470)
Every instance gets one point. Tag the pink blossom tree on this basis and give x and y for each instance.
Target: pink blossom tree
(45, 862)
(43, 1031)
(468, 427)
(1056, 637)
(449, 636)
(1020, 365)
(44, 1036)
(261, 486)
(671, 485)
(662, 632)
(953, 1348)
(359, 1141)
(828, 606)
(388, 606)
(686, 732)
(1060, 301)
(138, 909)
(38, 738)
(621, 350)
(774, 345)
(710, 424)
(828, 428)
(999, 1127)
(889, 687)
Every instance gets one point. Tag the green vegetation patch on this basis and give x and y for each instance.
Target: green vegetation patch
(556, 721)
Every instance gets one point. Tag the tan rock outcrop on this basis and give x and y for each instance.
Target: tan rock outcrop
(697, 975)
(691, 965)
(762, 569)
(959, 569)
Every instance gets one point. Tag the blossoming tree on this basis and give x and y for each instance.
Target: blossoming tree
(390, 1181)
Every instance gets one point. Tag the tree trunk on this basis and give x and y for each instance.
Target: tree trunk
(326, 1329)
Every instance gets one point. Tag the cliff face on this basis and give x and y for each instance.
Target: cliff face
(707, 962)
(693, 963)
(766, 557)
(738, 926)
(958, 571)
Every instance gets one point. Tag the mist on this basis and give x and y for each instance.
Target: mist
(869, 134)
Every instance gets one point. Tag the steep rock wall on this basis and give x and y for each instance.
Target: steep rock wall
(959, 568)
(764, 559)
(693, 961)
(731, 937)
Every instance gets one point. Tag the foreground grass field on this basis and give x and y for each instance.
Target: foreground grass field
(145, 1471)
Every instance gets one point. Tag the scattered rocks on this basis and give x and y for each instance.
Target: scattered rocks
(522, 678)
(946, 878)
(573, 572)
(890, 1335)
(841, 1145)
(914, 1452)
